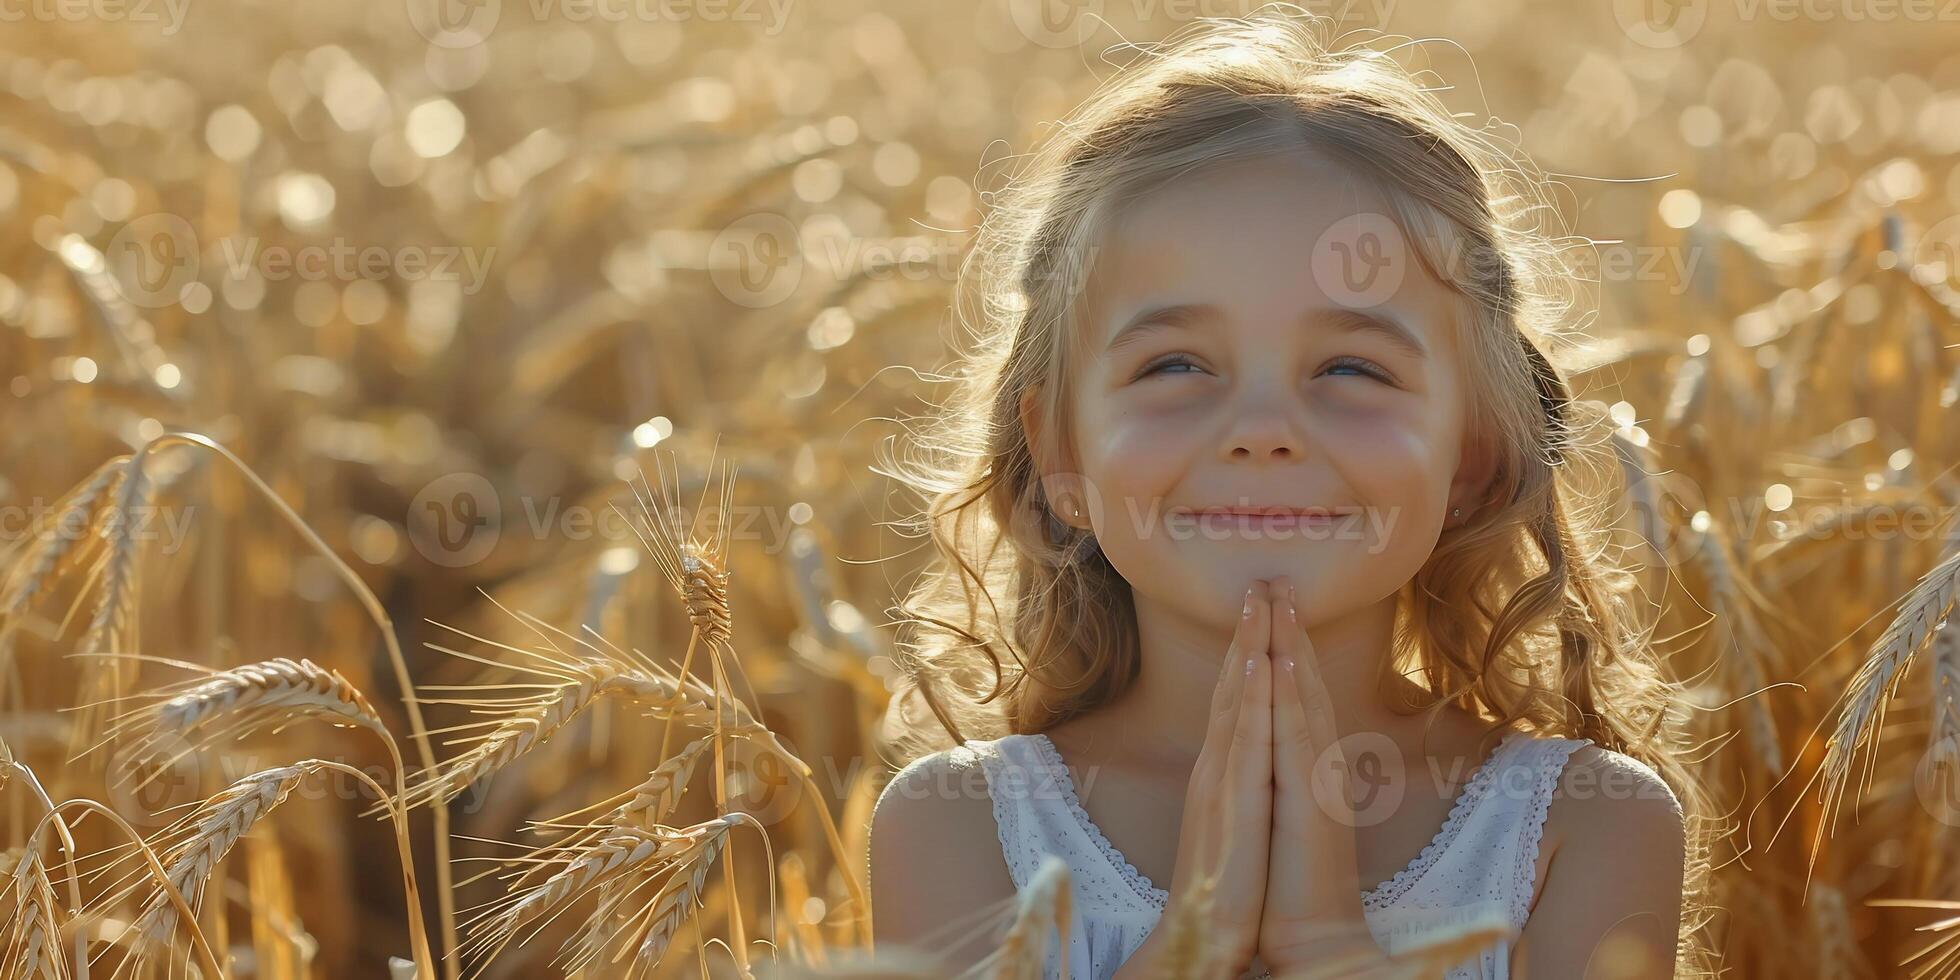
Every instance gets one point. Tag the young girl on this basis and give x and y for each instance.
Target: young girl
(1260, 480)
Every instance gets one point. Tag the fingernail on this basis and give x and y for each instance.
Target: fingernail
(1248, 666)
(1248, 604)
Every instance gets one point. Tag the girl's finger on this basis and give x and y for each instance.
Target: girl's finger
(1249, 639)
(1246, 661)
(1294, 751)
(1250, 767)
(1300, 671)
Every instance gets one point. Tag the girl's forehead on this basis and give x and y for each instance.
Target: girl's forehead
(1278, 237)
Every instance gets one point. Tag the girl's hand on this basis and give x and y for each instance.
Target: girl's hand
(1227, 825)
(1313, 894)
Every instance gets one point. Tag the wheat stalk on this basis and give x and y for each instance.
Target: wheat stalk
(37, 566)
(1941, 760)
(656, 798)
(1041, 905)
(246, 699)
(300, 687)
(192, 847)
(529, 726)
(677, 898)
(34, 950)
(615, 865)
(1922, 616)
(112, 626)
(1185, 948)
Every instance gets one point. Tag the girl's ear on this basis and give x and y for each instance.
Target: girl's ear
(1065, 490)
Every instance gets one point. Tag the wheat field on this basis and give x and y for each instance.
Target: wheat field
(441, 530)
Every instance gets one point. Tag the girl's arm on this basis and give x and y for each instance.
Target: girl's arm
(1611, 902)
(936, 859)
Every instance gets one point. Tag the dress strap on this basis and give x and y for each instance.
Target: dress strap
(1007, 789)
(1538, 768)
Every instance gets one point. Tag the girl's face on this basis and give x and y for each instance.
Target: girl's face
(1259, 336)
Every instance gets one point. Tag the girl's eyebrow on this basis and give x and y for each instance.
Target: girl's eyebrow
(1171, 316)
(1390, 329)
(1153, 319)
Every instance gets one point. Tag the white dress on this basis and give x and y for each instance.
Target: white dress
(1481, 864)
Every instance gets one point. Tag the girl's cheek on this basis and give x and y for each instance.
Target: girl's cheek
(1393, 454)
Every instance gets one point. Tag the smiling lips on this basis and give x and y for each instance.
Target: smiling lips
(1299, 512)
(1262, 517)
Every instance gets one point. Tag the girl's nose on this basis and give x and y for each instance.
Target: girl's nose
(1265, 438)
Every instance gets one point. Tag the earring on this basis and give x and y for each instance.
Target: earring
(1456, 512)
(1076, 512)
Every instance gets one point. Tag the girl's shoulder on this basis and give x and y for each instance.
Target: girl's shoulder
(1598, 773)
(1605, 797)
(954, 777)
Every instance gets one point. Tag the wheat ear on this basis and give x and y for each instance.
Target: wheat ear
(522, 730)
(112, 628)
(1920, 618)
(1041, 905)
(247, 699)
(193, 846)
(34, 950)
(676, 900)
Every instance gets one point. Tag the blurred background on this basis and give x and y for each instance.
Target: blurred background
(445, 275)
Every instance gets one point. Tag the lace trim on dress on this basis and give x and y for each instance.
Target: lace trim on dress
(1149, 893)
(1388, 891)
(1550, 763)
(1006, 817)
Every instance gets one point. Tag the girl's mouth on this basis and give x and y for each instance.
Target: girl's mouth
(1258, 520)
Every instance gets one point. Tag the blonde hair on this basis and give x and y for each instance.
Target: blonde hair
(1522, 613)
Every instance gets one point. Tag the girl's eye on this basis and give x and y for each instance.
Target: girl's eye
(1155, 367)
(1366, 367)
